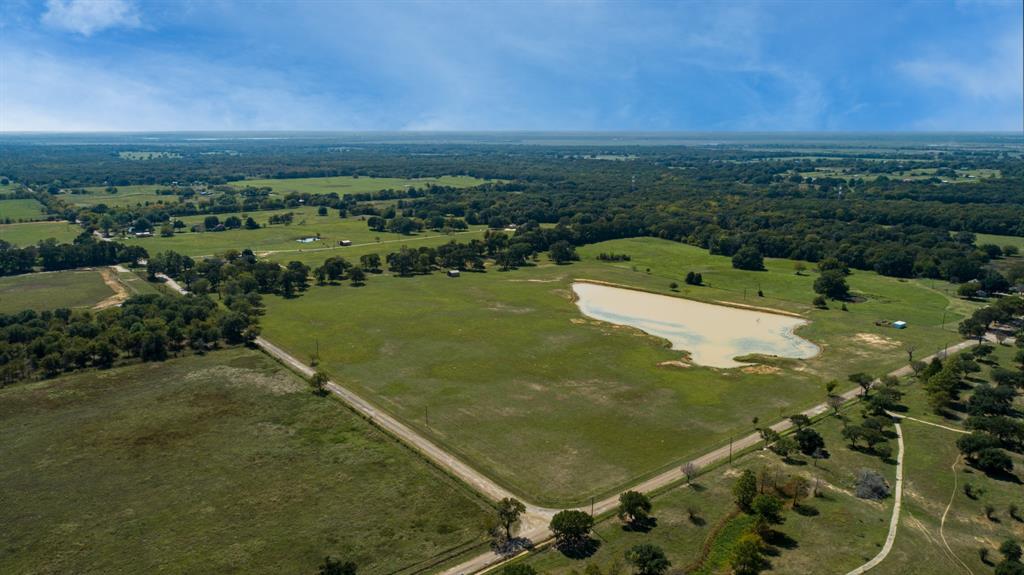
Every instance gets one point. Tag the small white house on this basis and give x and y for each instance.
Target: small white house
(899, 324)
(345, 243)
(453, 273)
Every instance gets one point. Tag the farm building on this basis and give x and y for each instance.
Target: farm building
(453, 273)
(899, 324)
(345, 243)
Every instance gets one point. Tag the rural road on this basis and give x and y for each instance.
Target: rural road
(895, 520)
(534, 523)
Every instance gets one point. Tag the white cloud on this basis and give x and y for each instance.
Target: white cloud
(88, 16)
(43, 92)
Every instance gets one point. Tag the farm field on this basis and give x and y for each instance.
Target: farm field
(50, 290)
(125, 196)
(30, 233)
(836, 515)
(25, 210)
(351, 185)
(962, 176)
(225, 463)
(588, 406)
(999, 240)
(278, 237)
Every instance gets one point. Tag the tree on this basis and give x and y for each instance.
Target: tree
(250, 224)
(571, 528)
(357, 276)
(319, 383)
(745, 489)
(993, 460)
(634, 507)
(747, 557)
(832, 284)
(819, 302)
(673, 286)
(1010, 550)
(800, 420)
(748, 258)
(647, 559)
(785, 446)
(689, 469)
(562, 252)
(509, 510)
(693, 279)
(321, 211)
(863, 380)
(768, 507)
(336, 567)
(808, 440)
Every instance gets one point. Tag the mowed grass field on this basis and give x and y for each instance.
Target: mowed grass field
(279, 237)
(561, 408)
(25, 210)
(999, 240)
(836, 515)
(352, 185)
(51, 290)
(125, 196)
(30, 233)
(223, 463)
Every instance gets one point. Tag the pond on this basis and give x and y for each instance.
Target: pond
(713, 334)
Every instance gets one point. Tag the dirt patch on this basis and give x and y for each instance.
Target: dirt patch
(673, 363)
(277, 384)
(875, 340)
(578, 321)
(120, 292)
(760, 369)
(500, 307)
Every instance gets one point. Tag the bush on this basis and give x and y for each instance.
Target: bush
(748, 258)
(871, 485)
(820, 302)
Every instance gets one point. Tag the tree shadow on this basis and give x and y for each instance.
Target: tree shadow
(778, 539)
(795, 462)
(805, 510)
(698, 520)
(698, 487)
(641, 525)
(579, 549)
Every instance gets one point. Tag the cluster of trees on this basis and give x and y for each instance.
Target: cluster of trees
(760, 496)
(232, 273)
(147, 327)
(994, 422)
(52, 256)
(335, 269)
(1002, 311)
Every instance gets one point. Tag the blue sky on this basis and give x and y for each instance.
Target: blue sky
(68, 65)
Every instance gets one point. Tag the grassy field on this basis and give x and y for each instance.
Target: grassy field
(836, 515)
(221, 463)
(999, 240)
(560, 408)
(931, 485)
(962, 176)
(41, 291)
(352, 185)
(125, 196)
(278, 237)
(21, 210)
(29, 233)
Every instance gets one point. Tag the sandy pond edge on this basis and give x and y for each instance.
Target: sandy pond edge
(712, 302)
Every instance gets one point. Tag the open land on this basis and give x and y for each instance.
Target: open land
(629, 416)
(223, 462)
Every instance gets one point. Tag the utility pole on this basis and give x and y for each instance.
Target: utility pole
(591, 505)
(730, 450)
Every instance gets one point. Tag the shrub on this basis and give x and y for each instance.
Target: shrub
(871, 485)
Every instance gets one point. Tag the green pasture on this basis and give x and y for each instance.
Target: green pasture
(25, 210)
(999, 240)
(282, 238)
(52, 290)
(834, 515)
(217, 463)
(148, 155)
(30, 233)
(354, 185)
(962, 176)
(144, 194)
(560, 408)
